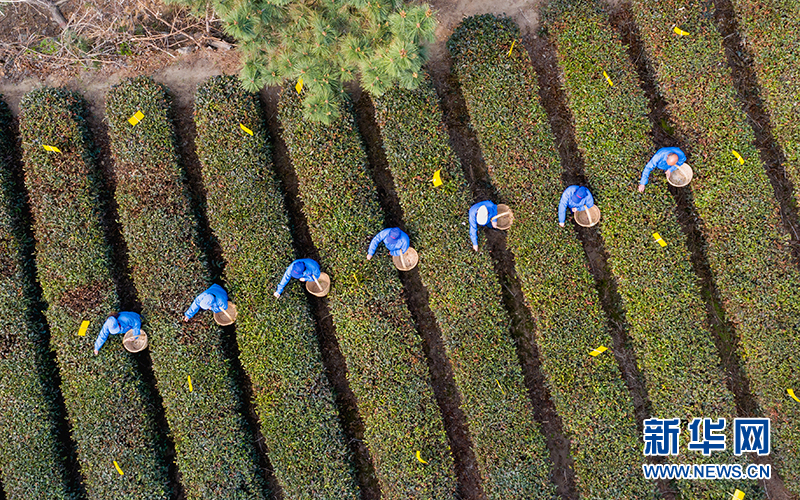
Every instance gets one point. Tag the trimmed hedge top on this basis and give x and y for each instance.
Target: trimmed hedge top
(277, 341)
(515, 138)
(215, 451)
(105, 397)
(386, 365)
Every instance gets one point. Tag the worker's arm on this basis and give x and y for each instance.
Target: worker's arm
(405, 242)
(313, 271)
(220, 297)
(473, 226)
(588, 201)
(101, 339)
(194, 307)
(376, 241)
(285, 280)
(648, 168)
(562, 204)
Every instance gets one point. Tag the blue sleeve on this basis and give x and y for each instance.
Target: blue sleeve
(473, 224)
(220, 296)
(406, 242)
(647, 169)
(588, 202)
(194, 307)
(312, 269)
(562, 204)
(285, 280)
(101, 339)
(373, 246)
(681, 156)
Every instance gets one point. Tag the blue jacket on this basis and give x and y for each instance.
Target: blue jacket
(215, 298)
(310, 273)
(113, 326)
(660, 160)
(396, 246)
(473, 218)
(570, 200)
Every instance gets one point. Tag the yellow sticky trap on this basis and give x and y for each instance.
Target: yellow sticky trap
(680, 32)
(500, 386)
(189, 378)
(512, 48)
(51, 148)
(738, 495)
(118, 469)
(600, 350)
(82, 331)
(738, 156)
(659, 239)
(437, 178)
(608, 78)
(299, 86)
(420, 458)
(791, 393)
(136, 118)
(246, 129)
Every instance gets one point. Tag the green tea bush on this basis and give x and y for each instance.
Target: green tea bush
(216, 455)
(278, 345)
(464, 296)
(27, 415)
(771, 32)
(664, 308)
(108, 404)
(385, 362)
(747, 247)
(515, 138)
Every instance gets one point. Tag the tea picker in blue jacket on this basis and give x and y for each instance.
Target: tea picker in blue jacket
(483, 213)
(396, 241)
(576, 198)
(301, 269)
(116, 324)
(215, 298)
(665, 159)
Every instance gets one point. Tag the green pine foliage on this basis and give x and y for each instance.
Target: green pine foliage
(327, 43)
(664, 308)
(747, 250)
(509, 447)
(216, 455)
(501, 94)
(277, 341)
(30, 456)
(108, 404)
(771, 32)
(386, 365)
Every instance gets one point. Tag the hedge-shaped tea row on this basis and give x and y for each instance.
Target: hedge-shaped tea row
(385, 363)
(27, 415)
(771, 30)
(277, 341)
(464, 296)
(759, 285)
(664, 308)
(107, 402)
(501, 96)
(215, 451)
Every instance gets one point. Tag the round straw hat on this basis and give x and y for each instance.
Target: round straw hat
(588, 217)
(407, 261)
(505, 217)
(324, 282)
(226, 317)
(134, 344)
(681, 176)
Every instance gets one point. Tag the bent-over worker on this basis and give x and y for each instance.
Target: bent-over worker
(116, 324)
(483, 213)
(396, 241)
(215, 298)
(665, 159)
(576, 198)
(301, 269)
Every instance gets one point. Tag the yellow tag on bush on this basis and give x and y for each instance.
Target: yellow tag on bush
(437, 178)
(299, 86)
(600, 350)
(82, 331)
(738, 156)
(51, 148)
(659, 239)
(680, 32)
(136, 118)
(246, 129)
(118, 469)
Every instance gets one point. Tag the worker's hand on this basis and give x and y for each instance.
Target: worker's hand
(475, 247)
(561, 224)
(641, 188)
(186, 319)
(574, 210)
(96, 352)
(369, 257)
(277, 295)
